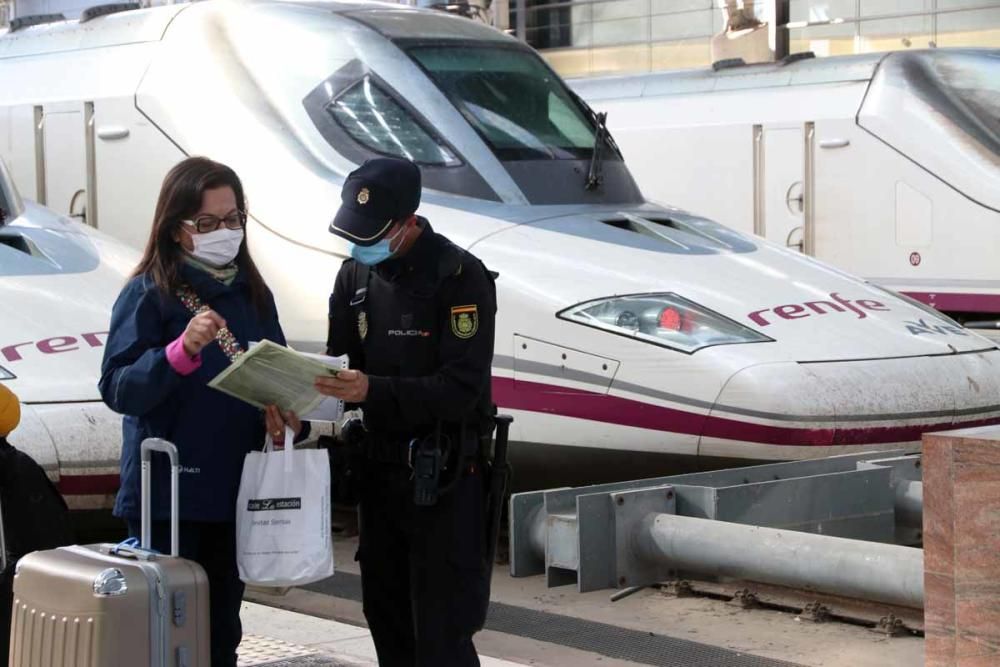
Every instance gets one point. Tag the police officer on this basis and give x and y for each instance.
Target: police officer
(415, 313)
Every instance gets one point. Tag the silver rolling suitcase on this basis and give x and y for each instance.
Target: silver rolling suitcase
(108, 605)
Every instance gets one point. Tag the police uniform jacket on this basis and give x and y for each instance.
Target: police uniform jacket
(422, 328)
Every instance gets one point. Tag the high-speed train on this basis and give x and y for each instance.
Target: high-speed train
(623, 325)
(58, 281)
(885, 165)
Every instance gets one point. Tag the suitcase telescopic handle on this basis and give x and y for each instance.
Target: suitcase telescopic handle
(150, 445)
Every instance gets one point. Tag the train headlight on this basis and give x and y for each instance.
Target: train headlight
(663, 319)
(6, 374)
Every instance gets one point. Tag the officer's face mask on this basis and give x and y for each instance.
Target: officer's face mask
(217, 248)
(373, 254)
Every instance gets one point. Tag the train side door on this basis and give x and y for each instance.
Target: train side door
(780, 176)
(20, 151)
(131, 157)
(64, 149)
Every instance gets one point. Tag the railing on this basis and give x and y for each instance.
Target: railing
(862, 26)
(586, 23)
(583, 37)
(11, 9)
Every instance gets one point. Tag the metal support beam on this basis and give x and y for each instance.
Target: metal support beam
(837, 495)
(89, 122)
(501, 14)
(852, 568)
(521, 20)
(908, 490)
(600, 536)
(910, 504)
(782, 14)
(809, 190)
(759, 193)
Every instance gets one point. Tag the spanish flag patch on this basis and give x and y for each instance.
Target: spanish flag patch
(464, 321)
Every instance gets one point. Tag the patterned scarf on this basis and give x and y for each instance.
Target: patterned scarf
(227, 341)
(225, 275)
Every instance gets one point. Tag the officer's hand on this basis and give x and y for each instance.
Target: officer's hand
(201, 331)
(276, 423)
(349, 386)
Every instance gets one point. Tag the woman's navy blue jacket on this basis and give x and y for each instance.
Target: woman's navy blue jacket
(212, 431)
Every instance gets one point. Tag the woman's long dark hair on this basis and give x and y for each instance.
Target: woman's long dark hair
(180, 198)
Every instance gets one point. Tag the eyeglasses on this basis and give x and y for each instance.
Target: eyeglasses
(209, 223)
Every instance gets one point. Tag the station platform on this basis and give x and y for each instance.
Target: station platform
(323, 624)
(281, 638)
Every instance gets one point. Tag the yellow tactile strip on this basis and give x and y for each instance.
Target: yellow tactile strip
(256, 650)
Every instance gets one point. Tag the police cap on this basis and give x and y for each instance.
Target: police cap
(376, 194)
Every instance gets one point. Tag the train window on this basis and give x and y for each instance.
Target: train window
(515, 102)
(378, 122)
(362, 117)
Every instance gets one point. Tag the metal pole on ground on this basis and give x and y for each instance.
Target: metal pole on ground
(838, 566)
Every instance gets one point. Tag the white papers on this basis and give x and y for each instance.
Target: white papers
(271, 374)
(330, 409)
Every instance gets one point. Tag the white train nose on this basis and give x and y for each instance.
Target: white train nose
(32, 438)
(802, 410)
(78, 444)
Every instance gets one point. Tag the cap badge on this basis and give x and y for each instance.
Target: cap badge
(364, 196)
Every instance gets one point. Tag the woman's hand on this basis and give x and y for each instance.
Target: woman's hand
(276, 421)
(349, 386)
(201, 331)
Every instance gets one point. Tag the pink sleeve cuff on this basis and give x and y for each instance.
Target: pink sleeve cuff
(179, 359)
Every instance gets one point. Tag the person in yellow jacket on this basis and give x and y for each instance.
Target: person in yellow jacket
(10, 417)
(34, 515)
(10, 411)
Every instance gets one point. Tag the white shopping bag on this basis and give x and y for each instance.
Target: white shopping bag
(283, 535)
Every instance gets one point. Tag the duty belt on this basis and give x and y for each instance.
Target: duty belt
(390, 450)
(398, 449)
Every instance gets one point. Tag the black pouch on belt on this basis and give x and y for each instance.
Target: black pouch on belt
(426, 462)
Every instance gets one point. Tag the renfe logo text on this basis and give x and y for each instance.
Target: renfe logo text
(836, 304)
(56, 345)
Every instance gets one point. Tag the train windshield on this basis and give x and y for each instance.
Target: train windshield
(30, 248)
(512, 99)
(942, 109)
(27, 249)
(975, 84)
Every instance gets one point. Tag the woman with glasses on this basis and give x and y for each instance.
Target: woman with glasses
(194, 303)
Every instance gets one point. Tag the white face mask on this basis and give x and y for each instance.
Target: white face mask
(217, 248)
